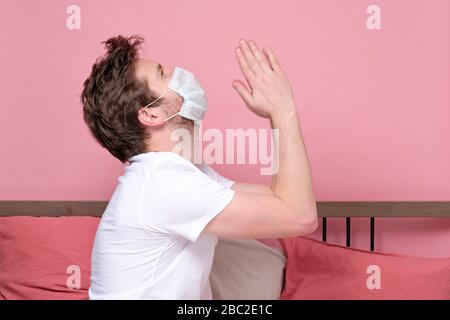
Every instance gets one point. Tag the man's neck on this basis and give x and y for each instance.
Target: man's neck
(175, 148)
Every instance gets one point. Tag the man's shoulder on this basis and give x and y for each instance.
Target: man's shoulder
(169, 164)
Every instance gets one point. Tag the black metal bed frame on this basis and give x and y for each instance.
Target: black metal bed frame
(348, 229)
(325, 210)
(378, 209)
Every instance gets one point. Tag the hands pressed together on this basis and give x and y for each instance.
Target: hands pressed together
(270, 91)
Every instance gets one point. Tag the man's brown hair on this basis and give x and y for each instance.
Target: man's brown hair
(112, 97)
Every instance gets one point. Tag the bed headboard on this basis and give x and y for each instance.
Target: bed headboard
(325, 209)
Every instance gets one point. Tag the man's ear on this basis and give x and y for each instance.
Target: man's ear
(152, 117)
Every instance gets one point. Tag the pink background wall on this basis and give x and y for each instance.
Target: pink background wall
(374, 104)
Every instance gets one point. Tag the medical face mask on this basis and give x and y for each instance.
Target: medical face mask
(195, 102)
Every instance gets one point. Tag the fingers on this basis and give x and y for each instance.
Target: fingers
(250, 57)
(272, 59)
(246, 70)
(256, 60)
(243, 92)
(263, 62)
(253, 62)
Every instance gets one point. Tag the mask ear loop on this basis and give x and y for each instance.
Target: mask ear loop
(157, 99)
(172, 116)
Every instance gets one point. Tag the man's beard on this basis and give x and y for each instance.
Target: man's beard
(184, 123)
(179, 122)
(185, 127)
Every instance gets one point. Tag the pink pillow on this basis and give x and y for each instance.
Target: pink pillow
(316, 270)
(46, 257)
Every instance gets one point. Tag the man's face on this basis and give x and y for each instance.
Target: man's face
(157, 75)
(158, 78)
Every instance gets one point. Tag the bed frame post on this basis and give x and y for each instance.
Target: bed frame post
(372, 233)
(347, 238)
(324, 229)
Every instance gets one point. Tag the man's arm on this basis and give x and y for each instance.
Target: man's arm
(288, 207)
(252, 188)
(293, 182)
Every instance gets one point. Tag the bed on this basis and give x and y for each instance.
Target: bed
(37, 236)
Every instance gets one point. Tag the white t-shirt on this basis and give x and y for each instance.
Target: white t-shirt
(149, 243)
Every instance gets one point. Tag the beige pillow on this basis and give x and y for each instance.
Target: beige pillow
(246, 269)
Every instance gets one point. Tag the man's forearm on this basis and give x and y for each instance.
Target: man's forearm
(293, 182)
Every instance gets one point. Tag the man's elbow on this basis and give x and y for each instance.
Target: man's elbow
(314, 225)
(308, 224)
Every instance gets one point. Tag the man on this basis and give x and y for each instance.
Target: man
(157, 236)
